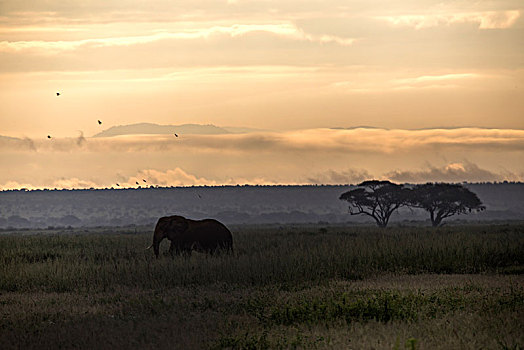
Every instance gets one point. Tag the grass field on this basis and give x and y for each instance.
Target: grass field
(457, 287)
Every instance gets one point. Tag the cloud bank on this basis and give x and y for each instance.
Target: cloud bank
(484, 20)
(311, 156)
(285, 30)
(334, 177)
(453, 172)
(359, 140)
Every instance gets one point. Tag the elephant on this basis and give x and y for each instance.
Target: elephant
(186, 235)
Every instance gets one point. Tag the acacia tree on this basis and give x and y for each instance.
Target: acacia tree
(443, 200)
(378, 199)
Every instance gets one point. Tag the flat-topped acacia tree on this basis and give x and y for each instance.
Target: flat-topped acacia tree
(378, 199)
(443, 200)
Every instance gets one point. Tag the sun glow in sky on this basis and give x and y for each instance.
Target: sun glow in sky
(439, 84)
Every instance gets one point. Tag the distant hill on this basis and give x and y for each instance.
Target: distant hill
(150, 128)
(230, 204)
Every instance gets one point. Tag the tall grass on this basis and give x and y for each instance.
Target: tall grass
(263, 255)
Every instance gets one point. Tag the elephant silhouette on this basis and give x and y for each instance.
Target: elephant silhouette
(186, 235)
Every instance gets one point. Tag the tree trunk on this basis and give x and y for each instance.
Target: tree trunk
(436, 221)
(381, 223)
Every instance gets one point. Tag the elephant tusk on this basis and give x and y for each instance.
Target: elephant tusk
(149, 247)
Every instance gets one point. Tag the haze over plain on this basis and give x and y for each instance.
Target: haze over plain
(440, 83)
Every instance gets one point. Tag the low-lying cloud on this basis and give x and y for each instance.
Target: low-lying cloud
(73, 183)
(342, 177)
(453, 172)
(309, 140)
(172, 177)
(179, 177)
(312, 156)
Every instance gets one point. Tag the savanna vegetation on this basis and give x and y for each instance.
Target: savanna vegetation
(285, 287)
(380, 199)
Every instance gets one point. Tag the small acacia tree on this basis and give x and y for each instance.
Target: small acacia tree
(443, 200)
(378, 199)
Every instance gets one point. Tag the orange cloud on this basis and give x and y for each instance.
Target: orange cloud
(485, 19)
(172, 177)
(452, 172)
(356, 140)
(282, 29)
(308, 156)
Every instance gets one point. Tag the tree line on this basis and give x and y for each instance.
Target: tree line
(380, 199)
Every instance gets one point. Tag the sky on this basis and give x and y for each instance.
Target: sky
(340, 91)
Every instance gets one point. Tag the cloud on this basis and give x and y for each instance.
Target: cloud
(383, 84)
(452, 172)
(179, 177)
(313, 156)
(172, 177)
(80, 140)
(74, 183)
(285, 30)
(334, 177)
(62, 183)
(15, 185)
(485, 19)
(357, 140)
(432, 78)
(29, 143)
(13, 143)
(362, 140)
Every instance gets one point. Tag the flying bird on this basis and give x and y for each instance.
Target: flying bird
(176, 135)
(57, 94)
(144, 180)
(118, 185)
(99, 122)
(137, 182)
(48, 136)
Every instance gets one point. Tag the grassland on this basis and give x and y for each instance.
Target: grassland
(457, 287)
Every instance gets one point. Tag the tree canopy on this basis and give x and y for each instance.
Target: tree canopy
(443, 200)
(378, 199)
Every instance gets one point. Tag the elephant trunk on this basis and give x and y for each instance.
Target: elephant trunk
(156, 245)
(157, 238)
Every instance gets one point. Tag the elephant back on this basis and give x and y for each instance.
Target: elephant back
(209, 234)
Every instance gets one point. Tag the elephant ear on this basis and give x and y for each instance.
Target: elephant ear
(178, 225)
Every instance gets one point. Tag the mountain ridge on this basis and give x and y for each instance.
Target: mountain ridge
(151, 128)
(170, 129)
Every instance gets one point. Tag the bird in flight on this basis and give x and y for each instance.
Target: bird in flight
(48, 136)
(144, 180)
(99, 122)
(118, 185)
(137, 182)
(57, 94)
(176, 135)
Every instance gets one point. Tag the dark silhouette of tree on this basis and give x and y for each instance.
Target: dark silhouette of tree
(378, 199)
(443, 200)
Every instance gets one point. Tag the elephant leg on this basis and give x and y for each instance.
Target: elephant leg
(174, 249)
